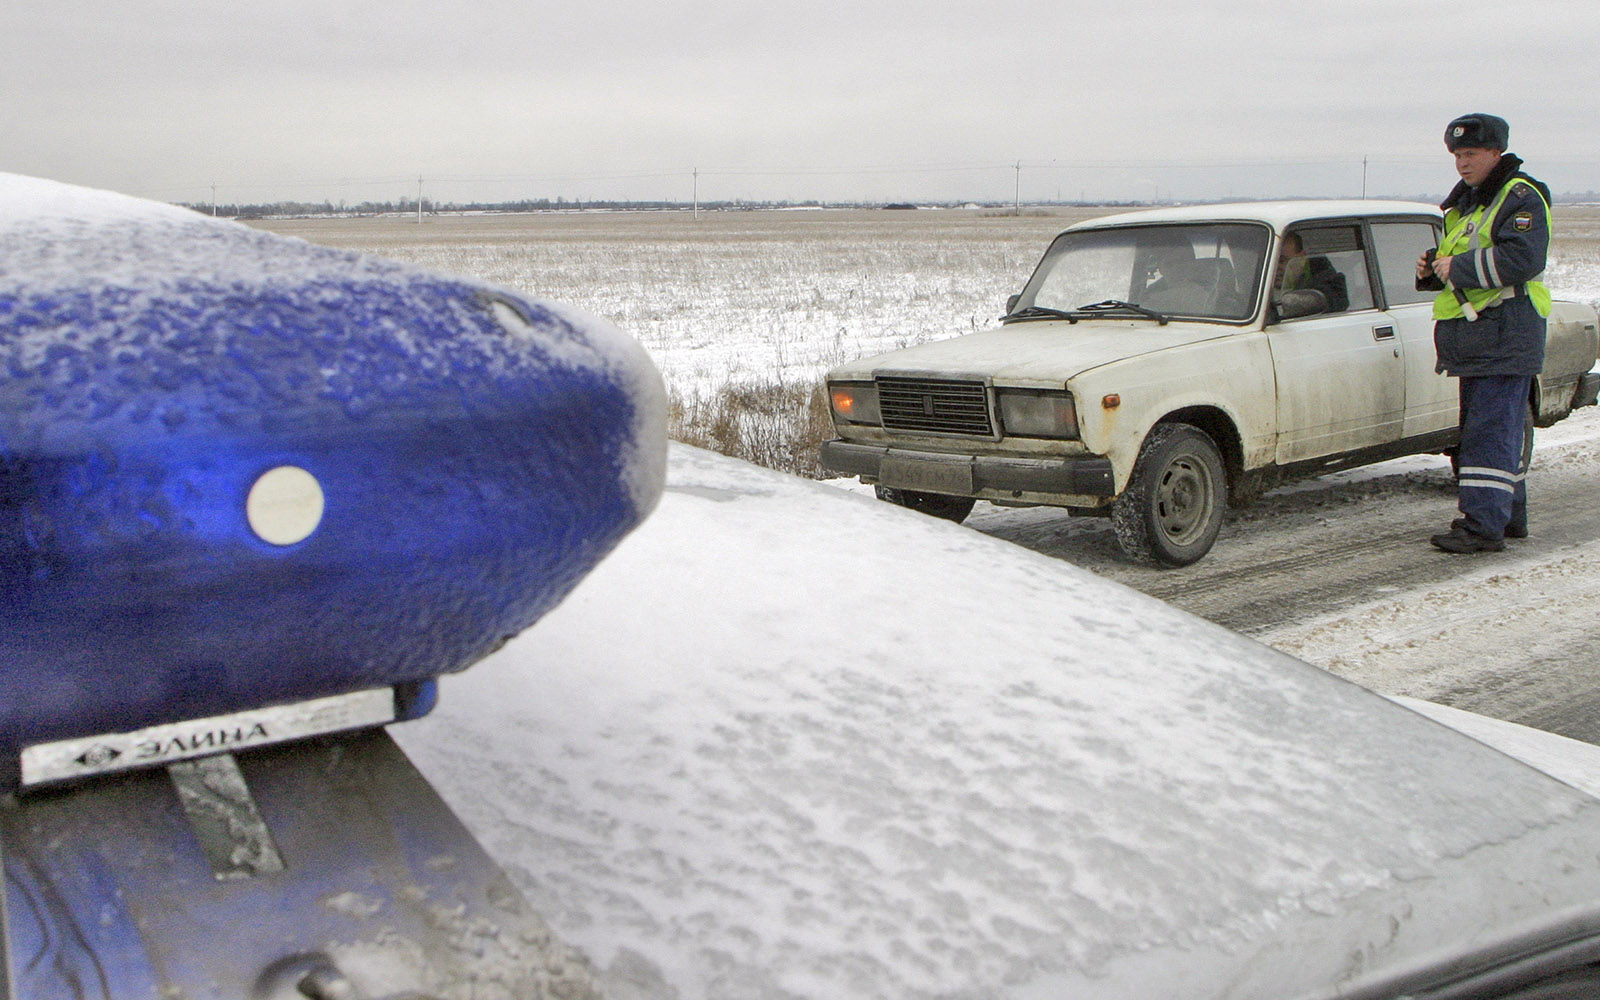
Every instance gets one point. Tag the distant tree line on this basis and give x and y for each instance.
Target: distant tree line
(403, 206)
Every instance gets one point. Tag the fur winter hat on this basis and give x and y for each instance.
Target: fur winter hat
(1478, 131)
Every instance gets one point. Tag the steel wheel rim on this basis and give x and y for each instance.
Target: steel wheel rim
(1184, 500)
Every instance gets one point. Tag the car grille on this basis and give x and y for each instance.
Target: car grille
(914, 404)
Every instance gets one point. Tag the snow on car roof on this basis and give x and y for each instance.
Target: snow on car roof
(789, 741)
(1277, 214)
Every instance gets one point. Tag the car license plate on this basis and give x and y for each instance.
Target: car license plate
(928, 475)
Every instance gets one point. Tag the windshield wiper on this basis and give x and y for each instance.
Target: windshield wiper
(1091, 311)
(1113, 305)
(1041, 312)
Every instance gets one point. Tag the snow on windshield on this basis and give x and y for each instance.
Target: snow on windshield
(792, 743)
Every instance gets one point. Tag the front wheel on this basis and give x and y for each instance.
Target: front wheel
(938, 504)
(1172, 509)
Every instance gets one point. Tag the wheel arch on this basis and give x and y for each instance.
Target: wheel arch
(1222, 431)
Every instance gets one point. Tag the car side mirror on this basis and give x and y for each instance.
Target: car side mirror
(1300, 302)
(1011, 304)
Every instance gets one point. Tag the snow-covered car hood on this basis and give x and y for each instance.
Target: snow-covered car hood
(1035, 351)
(791, 742)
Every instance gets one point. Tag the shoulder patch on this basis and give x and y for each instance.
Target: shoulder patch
(1522, 221)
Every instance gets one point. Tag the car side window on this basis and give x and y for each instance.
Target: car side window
(1330, 260)
(1397, 245)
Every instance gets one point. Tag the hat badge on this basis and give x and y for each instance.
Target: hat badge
(1458, 131)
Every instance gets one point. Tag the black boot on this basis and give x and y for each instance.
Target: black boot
(1516, 529)
(1458, 539)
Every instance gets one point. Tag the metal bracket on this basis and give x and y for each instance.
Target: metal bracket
(120, 889)
(224, 817)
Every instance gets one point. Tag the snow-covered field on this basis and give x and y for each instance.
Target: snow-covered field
(740, 297)
(737, 297)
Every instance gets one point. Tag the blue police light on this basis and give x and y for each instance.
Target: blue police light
(238, 470)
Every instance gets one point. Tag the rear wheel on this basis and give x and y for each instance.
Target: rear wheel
(1172, 509)
(938, 504)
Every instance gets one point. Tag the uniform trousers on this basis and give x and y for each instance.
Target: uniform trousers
(1492, 488)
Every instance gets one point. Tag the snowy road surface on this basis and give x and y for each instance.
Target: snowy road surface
(1338, 571)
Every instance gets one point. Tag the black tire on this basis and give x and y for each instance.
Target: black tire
(1172, 509)
(937, 504)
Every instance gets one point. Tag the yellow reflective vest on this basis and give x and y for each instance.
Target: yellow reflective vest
(1473, 233)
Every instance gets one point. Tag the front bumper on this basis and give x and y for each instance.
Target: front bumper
(971, 475)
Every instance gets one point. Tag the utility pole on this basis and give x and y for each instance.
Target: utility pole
(1016, 195)
(697, 193)
(1363, 178)
(213, 201)
(419, 201)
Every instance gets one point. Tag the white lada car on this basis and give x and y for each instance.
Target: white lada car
(1159, 363)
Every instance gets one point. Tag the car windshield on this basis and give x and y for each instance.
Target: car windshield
(1207, 271)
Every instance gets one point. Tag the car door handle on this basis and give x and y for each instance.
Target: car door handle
(1383, 333)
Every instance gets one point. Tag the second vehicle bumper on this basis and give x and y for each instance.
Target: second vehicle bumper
(970, 475)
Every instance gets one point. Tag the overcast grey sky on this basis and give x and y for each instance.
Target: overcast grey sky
(786, 99)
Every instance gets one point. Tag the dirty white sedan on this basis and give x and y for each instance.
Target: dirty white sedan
(1159, 364)
(787, 743)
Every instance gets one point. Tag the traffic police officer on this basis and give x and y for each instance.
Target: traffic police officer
(1489, 324)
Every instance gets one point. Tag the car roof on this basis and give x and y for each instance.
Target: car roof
(1277, 214)
(813, 744)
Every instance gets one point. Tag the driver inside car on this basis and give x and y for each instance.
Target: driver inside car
(1176, 288)
(1298, 273)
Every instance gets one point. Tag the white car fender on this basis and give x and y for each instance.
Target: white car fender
(1119, 403)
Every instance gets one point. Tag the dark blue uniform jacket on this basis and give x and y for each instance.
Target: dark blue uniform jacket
(1507, 339)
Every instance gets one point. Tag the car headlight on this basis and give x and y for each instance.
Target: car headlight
(854, 402)
(1040, 413)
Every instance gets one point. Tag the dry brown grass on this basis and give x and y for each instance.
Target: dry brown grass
(776, 424)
